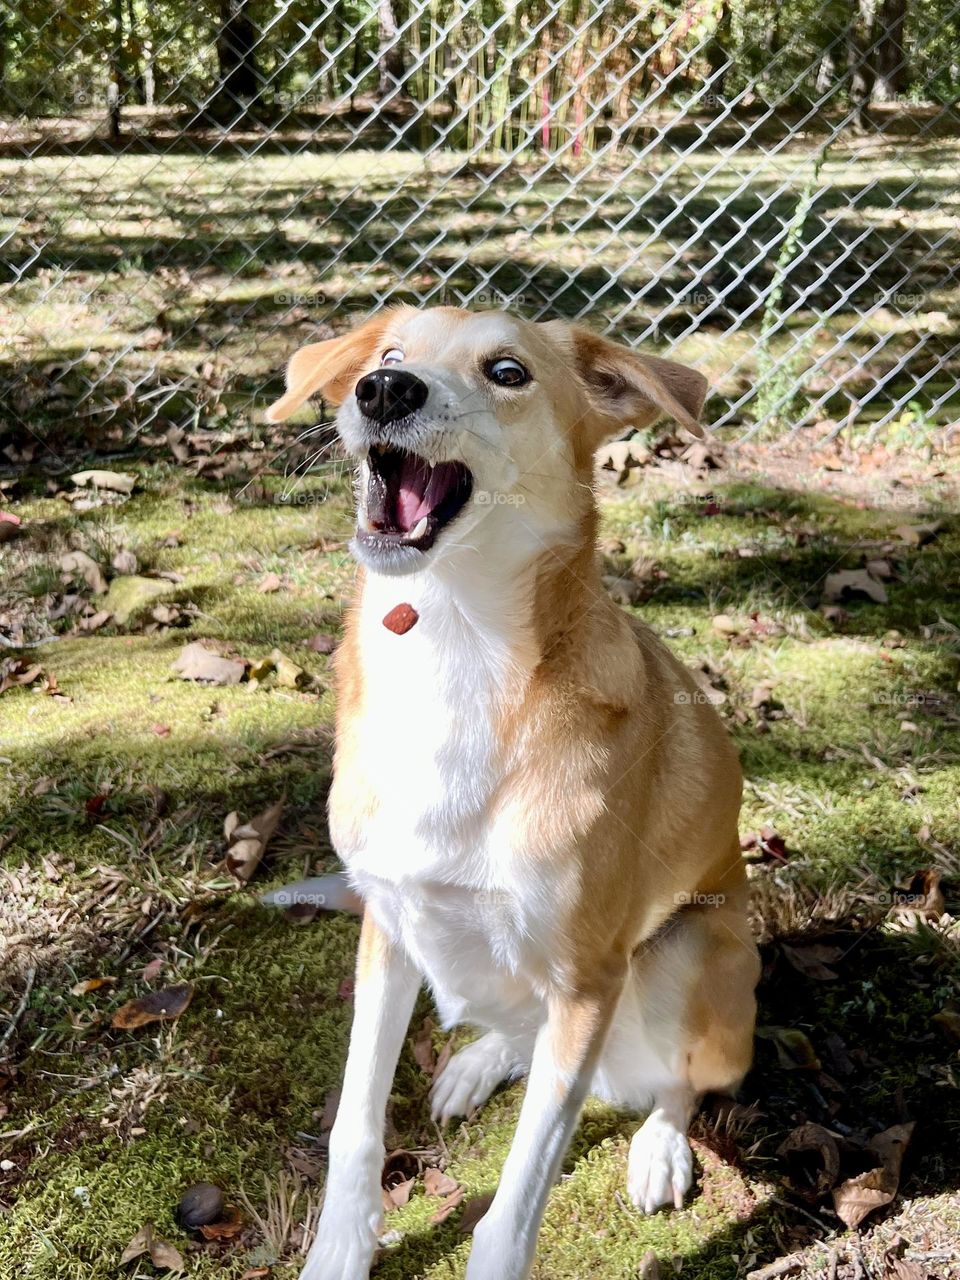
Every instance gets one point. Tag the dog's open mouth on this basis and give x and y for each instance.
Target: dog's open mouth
(407, 501)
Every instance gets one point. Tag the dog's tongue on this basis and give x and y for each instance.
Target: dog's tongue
(421, 489)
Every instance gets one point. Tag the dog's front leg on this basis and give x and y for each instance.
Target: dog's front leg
(385, 991)
(564, 1058)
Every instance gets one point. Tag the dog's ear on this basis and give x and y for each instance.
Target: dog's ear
(332, 367)
(626, 389)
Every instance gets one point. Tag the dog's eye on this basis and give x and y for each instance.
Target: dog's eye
(506, 372)
(393, 356)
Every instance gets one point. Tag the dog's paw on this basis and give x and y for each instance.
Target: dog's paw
(342, 1251)
(660, 1165)
(470, 1077)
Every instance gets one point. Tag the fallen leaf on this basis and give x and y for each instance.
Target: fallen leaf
(138, 1245)
(226, 1228)
(255, 1273)
(853, 582)
(115, 481)
(422, 1048)
(321, 643)
(158, 1006)
(452, 1202)
(922, 895)
(77, 564)
(948, 1021)
(473, 1211)
(94, 621)
(152, 969)
(918, 535)
(124, 562)
(91, 984)
(163, 1255)
(269, 583)
(794, 1050)
(813, 1156)
(398, 1195)
(161, 730)
(813, 959)
(854, 1199)
(9, 526)
(19, 674)
(197, 662)
(247, 843)
(438, 1183)
(724, 625)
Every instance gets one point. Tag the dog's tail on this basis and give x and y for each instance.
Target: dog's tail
(327, 893)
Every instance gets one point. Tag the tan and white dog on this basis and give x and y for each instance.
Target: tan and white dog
(535, 803)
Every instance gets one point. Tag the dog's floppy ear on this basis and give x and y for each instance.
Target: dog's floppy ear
(332, 367)
(626, 389)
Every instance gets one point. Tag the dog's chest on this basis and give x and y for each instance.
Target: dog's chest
(438, 860)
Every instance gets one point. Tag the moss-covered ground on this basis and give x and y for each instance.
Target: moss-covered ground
(115, 781)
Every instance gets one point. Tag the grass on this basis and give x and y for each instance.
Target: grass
(111, 813)
(138, 270)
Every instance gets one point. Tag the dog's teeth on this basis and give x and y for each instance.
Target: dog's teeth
(418, 530)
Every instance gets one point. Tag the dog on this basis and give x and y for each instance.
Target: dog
(531, 796)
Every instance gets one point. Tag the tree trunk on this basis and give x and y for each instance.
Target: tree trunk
(859, 61)
(240, 82)
(118, 81)
(391, 53)
(889, 57)
(137, 89)
(718, 55)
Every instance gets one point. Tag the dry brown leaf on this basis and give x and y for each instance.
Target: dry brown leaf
(115, 481)
(452, 1202)
(124, 562)
(163, 1255)
(422, 1048)
(226, 1228)
(321, 643)
(248, 842)
(138, 1245)
(77, 564)
(854, 1199)
(158, 1006)
(438, 1183)
(197, 662)
(817, 1175)
(918, 535)
(269, 583)
(794, 1050)
(948, 1021)
(853, 582)
(91, 984)
(922, 896)
(398, 1195)
(813, 959)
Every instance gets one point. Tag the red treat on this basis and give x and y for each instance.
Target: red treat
(401, 618)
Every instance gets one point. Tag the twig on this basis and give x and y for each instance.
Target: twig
(25, 644)
(18, 1012)
(782, 1267)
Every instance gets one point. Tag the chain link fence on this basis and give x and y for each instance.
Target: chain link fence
(770, 191)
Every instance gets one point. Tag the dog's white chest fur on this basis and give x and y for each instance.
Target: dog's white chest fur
(439, 869)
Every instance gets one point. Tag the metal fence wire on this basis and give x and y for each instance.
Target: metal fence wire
(769, 190)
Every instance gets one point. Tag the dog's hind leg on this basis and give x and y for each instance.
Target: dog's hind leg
(684, 1027)
(473, 1073)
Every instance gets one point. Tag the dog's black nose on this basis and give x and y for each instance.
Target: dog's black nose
(389, 394)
